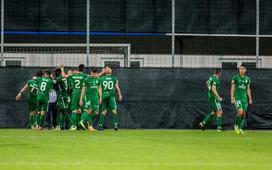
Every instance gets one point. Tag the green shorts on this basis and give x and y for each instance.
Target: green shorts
(215, 104)
(91, 103)
(75, 100)
(32, 104)
(42, 102)
(241, 104)
(109, 103)
(62, 102)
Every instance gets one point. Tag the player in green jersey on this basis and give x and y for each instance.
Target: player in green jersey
(92, 92)
(214, 100)
(32, 87)
(62, 100)
(76, 80)
(45, 84)
(241, 97)
(109, 85)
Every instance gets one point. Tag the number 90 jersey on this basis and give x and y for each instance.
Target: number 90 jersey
(76, 81)
(108, 85)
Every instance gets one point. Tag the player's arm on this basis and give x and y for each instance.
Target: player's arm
(207, 83)
(216, 93)
(232, 92)
(61, 66)
(100, 93)
(101, 73)
(118, 91)
(21, 91)
(82, 94)
(249, 94)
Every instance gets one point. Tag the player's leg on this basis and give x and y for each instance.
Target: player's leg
(219, 113)
(242, 122)
(32, 113)
(113, 108)
(213, 106)
(104, 106)
(74, 108)
(44, 108)
(240, 112)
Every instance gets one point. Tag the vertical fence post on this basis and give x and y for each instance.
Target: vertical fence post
(2, 32)
(257, 32)
(87, 32)
(173, 33)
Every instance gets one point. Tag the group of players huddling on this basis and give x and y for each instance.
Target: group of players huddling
(79, 97)
(240, 96)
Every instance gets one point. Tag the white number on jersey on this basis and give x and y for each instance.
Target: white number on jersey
(108, 85)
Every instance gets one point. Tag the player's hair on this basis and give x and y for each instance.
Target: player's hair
(94, 70)
(243, 65)
(217, 71)
(39, 73)
(81, 67)
(57, 71)
(47, 72)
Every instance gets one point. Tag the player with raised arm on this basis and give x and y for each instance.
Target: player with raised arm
(92, 92)
(109, 85)
(45, 84)
(63, 99)
(76, 80)
(32, 87)
(214, 100)
(241, 97)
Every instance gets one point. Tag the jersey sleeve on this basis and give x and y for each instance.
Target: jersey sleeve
(115, 80)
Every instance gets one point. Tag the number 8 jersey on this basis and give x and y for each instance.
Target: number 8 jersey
(108, 85)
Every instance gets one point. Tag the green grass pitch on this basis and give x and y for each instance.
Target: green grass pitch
(135, 149)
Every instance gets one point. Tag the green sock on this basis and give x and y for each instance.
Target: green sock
(84, 117)
(89, 119)
(78, 118)
(73, 118)
(101, 120)
(207, 119)
(59, 119)
(93, 116)
(33, 120)
(242, 122)
(67, 119)
(238, 120)
(40, 123)
(38, 118)
(219, 122)
(115, 119)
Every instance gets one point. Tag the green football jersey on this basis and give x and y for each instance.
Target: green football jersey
(108, 84)
(62, 86)
(241, 84)
(32, 87)
(92, 85)
(76, 81)
(213, 81)
(45, 84)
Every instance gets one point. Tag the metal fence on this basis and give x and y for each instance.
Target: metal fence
(169, 47)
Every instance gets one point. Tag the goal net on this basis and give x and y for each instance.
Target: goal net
(71, 55)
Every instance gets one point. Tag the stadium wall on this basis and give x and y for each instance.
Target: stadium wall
(154, 98)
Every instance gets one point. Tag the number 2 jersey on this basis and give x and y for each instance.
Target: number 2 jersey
(108, 82)
(76, 81)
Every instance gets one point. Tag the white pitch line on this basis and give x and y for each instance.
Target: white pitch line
(154, 164)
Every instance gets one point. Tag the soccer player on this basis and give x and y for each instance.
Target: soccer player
(32, 87)
(109, 85)
(63, 99)
(93, 97)
(45, 84)
(76, 80)
(241, 97)
(214, 100)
